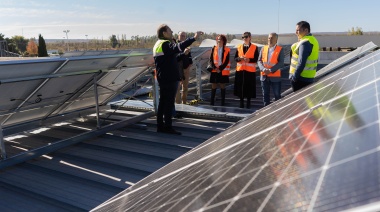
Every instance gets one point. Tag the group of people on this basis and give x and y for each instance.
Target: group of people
(173, 61)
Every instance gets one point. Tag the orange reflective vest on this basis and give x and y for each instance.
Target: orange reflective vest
(242, 65)
(272, 62)
(226, 70)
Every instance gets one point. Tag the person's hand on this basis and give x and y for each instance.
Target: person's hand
(187, 51)
(266, 71)
(197, 34)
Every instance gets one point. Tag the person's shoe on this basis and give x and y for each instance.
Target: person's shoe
(241, 104)
(178, 116)
(168, 131)
(172, 131)
(160, 129)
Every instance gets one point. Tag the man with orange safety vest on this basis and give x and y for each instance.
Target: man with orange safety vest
(245, 76)
(270, 62)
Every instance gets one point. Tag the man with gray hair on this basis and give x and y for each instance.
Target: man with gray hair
(184, 61)
(270, 62)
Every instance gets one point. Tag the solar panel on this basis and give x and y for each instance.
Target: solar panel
(346, 59)
(38, 88)
(315, 151)
(340, 62)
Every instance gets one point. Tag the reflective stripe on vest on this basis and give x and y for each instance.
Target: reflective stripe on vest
(157, 49)
(310, 68)
(272, 62)
(226, 70)
(242, 65)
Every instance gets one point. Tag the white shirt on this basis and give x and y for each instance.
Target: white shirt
(220, 55)
(270, 52)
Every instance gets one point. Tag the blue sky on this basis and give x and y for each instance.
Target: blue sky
(102, 18)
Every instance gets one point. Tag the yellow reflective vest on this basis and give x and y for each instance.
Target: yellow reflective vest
(157, 49)
(310, 68)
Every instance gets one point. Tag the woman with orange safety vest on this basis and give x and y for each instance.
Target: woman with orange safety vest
(220, 63)
(245, 76)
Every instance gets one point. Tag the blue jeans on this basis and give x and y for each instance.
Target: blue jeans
(276, 87)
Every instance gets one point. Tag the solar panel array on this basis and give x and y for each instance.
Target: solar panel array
(41, 88)
(314, 150)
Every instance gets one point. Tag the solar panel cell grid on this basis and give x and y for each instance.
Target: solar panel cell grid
(316, 150)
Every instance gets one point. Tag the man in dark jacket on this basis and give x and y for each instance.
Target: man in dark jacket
(164, 53)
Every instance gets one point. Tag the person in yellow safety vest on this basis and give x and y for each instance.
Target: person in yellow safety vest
(270, 62)
(220, 62)
(165, 58)
(304, 61)
(245, 76)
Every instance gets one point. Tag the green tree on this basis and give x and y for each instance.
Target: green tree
(20, 42)
(357, 31)
(42, 51)
(12, 47)
(114, 42)
(2, 37)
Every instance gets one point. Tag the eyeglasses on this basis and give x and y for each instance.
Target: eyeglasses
(244, 37)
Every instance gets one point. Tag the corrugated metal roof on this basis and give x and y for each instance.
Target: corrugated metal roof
(82, 176)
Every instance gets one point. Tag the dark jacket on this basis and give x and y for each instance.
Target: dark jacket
(245, 81)
(166, 64)
(186, 59)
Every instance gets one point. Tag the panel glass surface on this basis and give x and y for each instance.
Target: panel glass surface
(318, 150)
(38, 88)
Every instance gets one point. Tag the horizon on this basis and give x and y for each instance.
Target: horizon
(98, 19)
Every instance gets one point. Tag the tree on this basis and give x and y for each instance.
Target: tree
(357, 31)
(20, 42)
(42, 51)
(32, 48)
(113, 41)
(2, 37)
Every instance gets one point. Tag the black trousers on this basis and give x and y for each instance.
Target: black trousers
(166, 104)
(299, 84)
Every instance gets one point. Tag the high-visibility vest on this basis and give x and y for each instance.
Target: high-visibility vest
(310, 69)
(242, 65)
(226, 70)
(272, 61)
(157, 49)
